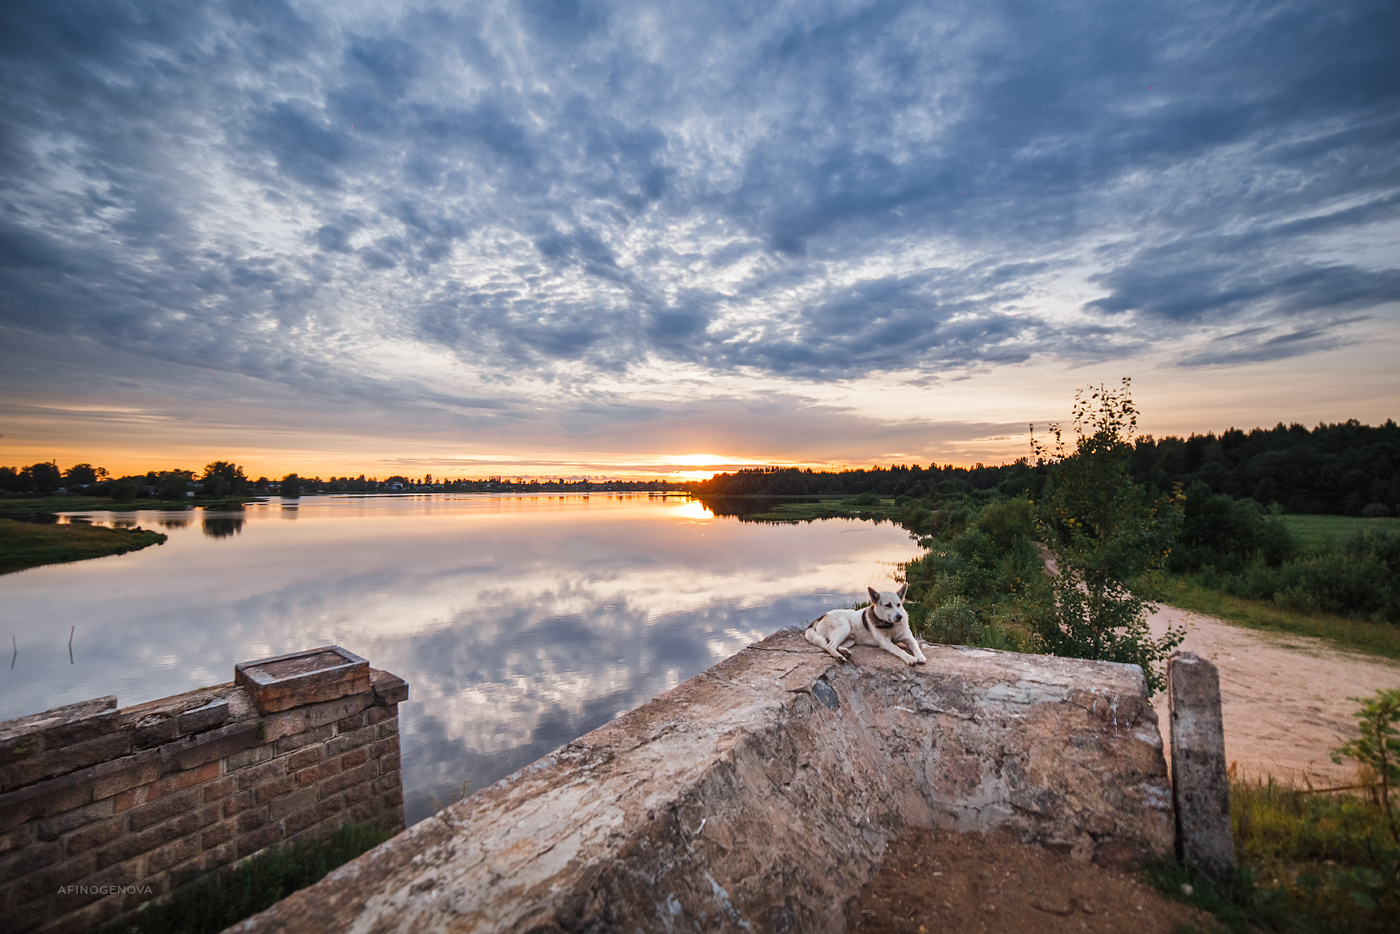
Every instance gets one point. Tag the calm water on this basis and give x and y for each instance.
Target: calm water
(520, 623)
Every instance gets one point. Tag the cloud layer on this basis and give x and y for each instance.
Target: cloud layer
(592, 205)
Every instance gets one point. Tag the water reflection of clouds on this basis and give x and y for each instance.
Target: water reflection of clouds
(519, 624)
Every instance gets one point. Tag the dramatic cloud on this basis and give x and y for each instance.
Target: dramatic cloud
(571, 204)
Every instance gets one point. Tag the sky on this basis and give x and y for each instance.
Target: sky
(559, 237)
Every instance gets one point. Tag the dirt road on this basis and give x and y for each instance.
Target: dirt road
(1284, 698)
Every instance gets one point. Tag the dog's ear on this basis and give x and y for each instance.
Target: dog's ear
(903, 589)
(874, 595)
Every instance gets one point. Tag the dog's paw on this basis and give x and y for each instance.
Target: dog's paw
(911, 662)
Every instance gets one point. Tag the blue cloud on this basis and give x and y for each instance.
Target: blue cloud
(810, 193)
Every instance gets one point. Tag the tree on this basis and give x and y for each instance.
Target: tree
(124, 489)
(80, 475)
(173, 484)
(291, 486)
(42, 477)
(224, 477)
(1108, 537)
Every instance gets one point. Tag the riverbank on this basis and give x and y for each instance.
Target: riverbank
(29, 506)
(803, 508)
(26, 545)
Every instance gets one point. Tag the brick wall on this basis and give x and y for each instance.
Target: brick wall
(102, 809)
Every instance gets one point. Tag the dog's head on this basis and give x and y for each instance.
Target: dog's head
(889, 605)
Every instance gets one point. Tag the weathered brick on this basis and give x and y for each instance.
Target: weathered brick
(389, 762)
(380, 714)
(290, 804)
(88, 918)
(134, 844)
(61, 726)
(130, 845)
(242, 760)
(181, 780)
(164, 808)
(298, 740)
(54, 827)
(389, 727)
(64, 759)
(350, 740)
(259, 839)
(192, 751)
(212, 858)
(316, 773)
(23, 918)
(252, 818)
(384, 747)
(354, 794)
(233, 804)
(364, 812)
(46, 798)
(301, 719)
(258, 774)
(275, 788)
(362, 774)
(95, 834)
(46, 881)
(204, 718)
(128, 772)
(131, 798)
(18, 839)
(219, 788)
(354, 757)
(304, 757)
(155, 731)
(387, 781)
(353, 722)
(321, 811)
(389, 690)
(26, 861)
(171, 854)
(219, 833)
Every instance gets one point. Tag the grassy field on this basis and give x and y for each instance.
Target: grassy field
(1373, 638)
(29, 544)
(1315, 532)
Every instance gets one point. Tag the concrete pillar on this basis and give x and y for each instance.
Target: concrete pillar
(1200, 787)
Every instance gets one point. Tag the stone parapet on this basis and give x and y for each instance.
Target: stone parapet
(102, 808)
(760, 796)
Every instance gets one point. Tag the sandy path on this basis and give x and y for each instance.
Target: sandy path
(1284, 697)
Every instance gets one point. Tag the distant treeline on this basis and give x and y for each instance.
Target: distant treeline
(1343, 469)
(224, 478)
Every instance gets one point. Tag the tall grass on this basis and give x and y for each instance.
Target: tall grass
(1309, 862)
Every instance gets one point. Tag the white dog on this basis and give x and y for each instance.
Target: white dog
(883, 623)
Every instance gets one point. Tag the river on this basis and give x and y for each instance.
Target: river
(519, 622)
